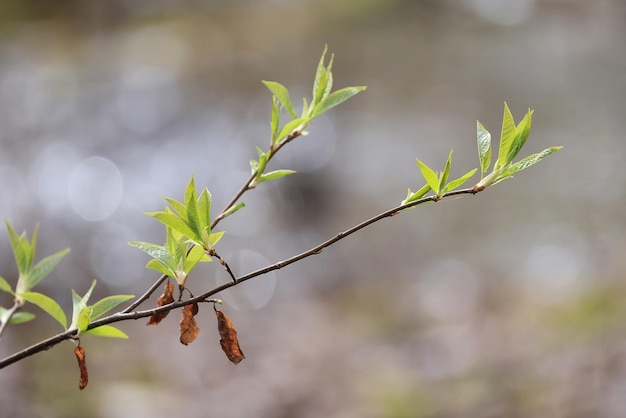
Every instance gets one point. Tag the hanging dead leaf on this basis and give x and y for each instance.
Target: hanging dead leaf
(228, 339)
(165, 299)
(79, 352)
(188, 328)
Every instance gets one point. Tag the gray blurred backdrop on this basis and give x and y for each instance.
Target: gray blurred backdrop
(510, 303)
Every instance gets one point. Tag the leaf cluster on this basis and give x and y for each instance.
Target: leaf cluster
(322, 100)
(188, 236)
(30, 275)
(512, 139)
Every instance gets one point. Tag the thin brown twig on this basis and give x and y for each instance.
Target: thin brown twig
(128, 315)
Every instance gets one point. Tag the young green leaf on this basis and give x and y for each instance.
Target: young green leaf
(484, 148)
(204, 210)
(430, 176)
(5, 286)
(21, 317)
(195, 256)
(191, 203)
(175, 222)
(83, 319)
(107, 331)
(215, 237)
(336, 98)
(156, 265)
(158, 252)
(275, 120)
(106, 304)
(458, 182)
(296, 125)
(81, 313)
(43, 268)
(524, 163)
(273, 175)
(282, 94)
(412, 196)
(234, 209)
(446, 172)
(507, 137)
(47, 304)
(21, 249)
(179, 208)
(522, 130)
(322, 75)
(263, 159)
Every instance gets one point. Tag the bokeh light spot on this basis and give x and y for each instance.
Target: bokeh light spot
(95, 189)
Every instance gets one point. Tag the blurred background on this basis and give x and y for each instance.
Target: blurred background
(510, 303)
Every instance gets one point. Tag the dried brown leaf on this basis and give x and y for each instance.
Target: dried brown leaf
(228, 339)
(165, 299)
(188, 328)
(79, 352)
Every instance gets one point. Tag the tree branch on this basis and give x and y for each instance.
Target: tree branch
(130, 314)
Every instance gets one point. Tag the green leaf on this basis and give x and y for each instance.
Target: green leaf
(273, 175)
(263, 159)
(412, 196)
(215, 237)
(234, 209)
(484, 147)
(21, 317)
(254, 166)
(83, 319)
(446, 172)
(320, 85)
(305, 107)
(158, 252)
(106, 304)
(19, 252)
(178, 207)
(107, 331)
(507, 137)
(282, 94)
(430, 176)
(47, 304)
(175, 222)
(296, 125)
(191, 203)
(43, 268)
(5, 286)
(195, 256)
(336, 98)
(87, 295)
(522, 131)
(525, 163)
(81, 313)
(204, 210)
(458, 182)
(275, 120)
(155, 264)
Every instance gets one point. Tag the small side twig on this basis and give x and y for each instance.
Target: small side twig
(223, 262)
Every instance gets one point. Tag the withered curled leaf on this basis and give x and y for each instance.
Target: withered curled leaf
(79, 352)
(165, 299)
(228, 339)
(188, 328)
